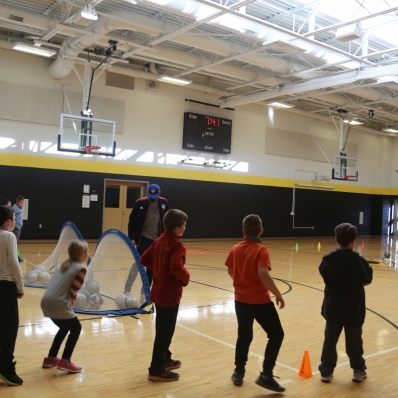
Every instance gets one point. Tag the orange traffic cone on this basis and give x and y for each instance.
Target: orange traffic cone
(305, 367)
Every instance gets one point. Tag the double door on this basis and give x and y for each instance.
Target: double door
(120, 197)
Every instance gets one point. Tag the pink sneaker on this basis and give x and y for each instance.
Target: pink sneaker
(49, 362)
(68, 366)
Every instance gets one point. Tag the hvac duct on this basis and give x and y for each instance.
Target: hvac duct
(61, 67)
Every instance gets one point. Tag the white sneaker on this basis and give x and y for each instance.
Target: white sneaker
(142, 298)
(127, 293)
(326, 379)
(359, 375)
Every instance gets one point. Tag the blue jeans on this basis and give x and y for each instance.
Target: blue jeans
(267, 317)
(353, 347)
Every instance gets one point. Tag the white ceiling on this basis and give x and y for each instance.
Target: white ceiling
(250, 51)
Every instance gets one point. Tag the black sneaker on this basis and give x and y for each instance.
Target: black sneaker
(267, 381)
(237, 378)
(173, 364)
(164, 375)
(9, 376)
(20, 259)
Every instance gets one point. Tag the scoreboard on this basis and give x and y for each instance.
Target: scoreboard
(207, 133)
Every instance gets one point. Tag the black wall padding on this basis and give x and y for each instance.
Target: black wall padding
(215, 209)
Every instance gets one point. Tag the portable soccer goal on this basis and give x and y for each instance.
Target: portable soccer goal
(41, 274)
(103, 289)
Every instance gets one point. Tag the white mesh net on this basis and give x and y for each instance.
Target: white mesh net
(41, 274)
(105, 282)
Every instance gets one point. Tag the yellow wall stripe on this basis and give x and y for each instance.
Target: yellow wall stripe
(58, 163)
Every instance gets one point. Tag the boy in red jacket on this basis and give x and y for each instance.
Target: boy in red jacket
(166, 258)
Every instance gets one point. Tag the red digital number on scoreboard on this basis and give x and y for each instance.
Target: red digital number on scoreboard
(213, 121)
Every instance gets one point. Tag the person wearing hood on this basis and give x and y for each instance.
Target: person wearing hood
(345, 274)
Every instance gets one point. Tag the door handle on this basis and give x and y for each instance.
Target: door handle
(124, 213)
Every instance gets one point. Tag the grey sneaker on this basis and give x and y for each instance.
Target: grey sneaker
(326, 379)
(237, 378)
(267, 381)
(126, 293)
(359, 375)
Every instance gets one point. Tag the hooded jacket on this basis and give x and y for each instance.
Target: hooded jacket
(139, 214)
(345, 272)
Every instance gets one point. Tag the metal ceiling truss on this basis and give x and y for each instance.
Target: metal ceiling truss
(245, 67)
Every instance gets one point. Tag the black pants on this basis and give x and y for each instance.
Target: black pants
(166, 318)
(145, 243)
(71, 326)
(353, 347)
(268, 318)
(9, 322)
(17, 233)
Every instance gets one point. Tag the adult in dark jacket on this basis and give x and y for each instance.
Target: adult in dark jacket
(345, 273)
(145, 225)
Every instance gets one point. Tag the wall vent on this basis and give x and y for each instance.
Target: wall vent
(152, 85)
(119, 81)
(15, 18)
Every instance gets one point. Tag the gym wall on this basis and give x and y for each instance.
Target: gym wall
(215, 209)
(269, 148)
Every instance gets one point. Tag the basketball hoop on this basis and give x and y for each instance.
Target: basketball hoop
(92, 151)
(350, 178)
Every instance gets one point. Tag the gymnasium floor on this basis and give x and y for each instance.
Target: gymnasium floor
(115, 351)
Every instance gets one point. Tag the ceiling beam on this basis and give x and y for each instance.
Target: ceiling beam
(350, 22)
(315, 84)
(284, 31)
(53, 7)
(199, 22)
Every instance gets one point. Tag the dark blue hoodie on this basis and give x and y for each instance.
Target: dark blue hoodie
(345, 272)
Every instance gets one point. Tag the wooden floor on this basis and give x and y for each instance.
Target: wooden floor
(115, 352)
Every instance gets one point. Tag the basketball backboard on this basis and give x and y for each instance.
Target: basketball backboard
(77, 132)
(345, 168)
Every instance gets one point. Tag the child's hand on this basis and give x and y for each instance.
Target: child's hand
(19, 296)
(280, 302)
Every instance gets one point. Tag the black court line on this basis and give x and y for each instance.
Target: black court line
(207, 267)
(214, 287)
(231, 291)
(368, 309)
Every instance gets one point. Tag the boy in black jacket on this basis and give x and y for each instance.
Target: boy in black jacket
(345, 274)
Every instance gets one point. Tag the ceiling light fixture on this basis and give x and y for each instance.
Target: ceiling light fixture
(281, 105)
(133, 2)
(89, 12)
(27, 48)
(174, 80)
(387, 79)
(353, 122)
(390, 130)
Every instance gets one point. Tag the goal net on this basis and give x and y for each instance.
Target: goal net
(41, 274)
(103, 289)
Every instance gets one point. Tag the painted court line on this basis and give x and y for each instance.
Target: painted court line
(316, 372)
(315, 267)
(232, 346)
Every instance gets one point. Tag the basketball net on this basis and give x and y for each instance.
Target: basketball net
(92, 152)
